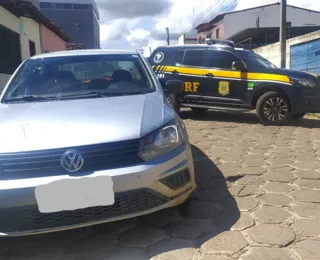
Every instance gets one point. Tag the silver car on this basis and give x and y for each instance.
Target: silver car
(89, 137)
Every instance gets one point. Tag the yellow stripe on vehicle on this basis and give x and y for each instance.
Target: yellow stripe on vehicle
(229, 74)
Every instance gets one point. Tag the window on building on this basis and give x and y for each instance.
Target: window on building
(45, 5)
(179, 57)
(218, 33)
(193, 57)
(80, 7)
(10, 55)
(32, 48)
(63, 6)
(222, 59)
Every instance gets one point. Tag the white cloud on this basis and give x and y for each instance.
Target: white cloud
(141, 27)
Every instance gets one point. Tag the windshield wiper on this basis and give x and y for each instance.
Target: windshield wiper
(30, 98)
(102, 94)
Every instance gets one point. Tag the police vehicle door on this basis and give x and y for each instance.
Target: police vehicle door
(221, 81)
(190, 69)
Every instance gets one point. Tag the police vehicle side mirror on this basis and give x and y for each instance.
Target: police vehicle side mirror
(174, 86)
(237, 65)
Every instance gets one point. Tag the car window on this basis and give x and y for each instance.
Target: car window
(79, 74)
(261, 62)
(179, 57)
(222, 59)
(194, 57)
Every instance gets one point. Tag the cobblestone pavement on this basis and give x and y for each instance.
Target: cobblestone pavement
(258, 198)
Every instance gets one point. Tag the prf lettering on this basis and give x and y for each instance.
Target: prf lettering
(191, 86)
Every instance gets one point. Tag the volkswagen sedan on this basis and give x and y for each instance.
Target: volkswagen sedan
(89, 137)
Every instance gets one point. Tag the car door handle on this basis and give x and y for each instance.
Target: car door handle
(209, 75)
(175, 71)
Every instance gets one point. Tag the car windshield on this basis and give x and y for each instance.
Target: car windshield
(259, 61)
(79, 76)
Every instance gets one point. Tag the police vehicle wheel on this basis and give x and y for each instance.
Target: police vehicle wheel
(173, 101)
(298, 116)
(199, 110)
(273, 108)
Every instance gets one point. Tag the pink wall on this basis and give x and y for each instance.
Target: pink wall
(50, 41)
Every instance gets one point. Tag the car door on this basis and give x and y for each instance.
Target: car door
(221, 81)
(190, 68)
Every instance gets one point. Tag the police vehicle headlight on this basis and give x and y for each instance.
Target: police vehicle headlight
(304, 82)
(161, 141)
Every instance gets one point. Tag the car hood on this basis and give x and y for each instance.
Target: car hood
(68, 123)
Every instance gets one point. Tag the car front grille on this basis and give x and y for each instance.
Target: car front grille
(47, 162)
(28, 218)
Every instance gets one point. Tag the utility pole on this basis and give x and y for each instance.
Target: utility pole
(283, 32)
(168, 36)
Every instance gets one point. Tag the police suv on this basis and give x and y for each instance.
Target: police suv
(219, 76)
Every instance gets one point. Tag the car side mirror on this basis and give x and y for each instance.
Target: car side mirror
(174, 86)
(238, 65)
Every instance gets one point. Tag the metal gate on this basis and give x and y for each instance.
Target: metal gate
(306, 56)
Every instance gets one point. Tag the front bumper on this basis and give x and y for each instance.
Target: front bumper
(308, 101)
(142, 189)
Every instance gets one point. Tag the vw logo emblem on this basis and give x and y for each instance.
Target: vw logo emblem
(158, 57)
(71, 161)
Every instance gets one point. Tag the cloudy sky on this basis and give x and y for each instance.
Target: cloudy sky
(139, 24)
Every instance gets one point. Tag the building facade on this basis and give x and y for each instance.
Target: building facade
(79, 19)
(226, 25)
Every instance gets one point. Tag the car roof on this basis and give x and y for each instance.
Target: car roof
(194, 46)
(82, 52)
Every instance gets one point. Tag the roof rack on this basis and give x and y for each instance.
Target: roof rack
(221, 42)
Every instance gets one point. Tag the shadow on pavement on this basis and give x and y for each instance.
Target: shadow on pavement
(212, 210)
(244, 118)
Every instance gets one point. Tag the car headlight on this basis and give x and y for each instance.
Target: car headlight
(161, 141)
(304, 82)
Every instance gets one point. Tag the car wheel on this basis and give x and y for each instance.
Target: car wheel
(298, 116)
(173, 101)
(199, 110)
(273, 108)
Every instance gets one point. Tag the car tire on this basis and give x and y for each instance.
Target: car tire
(298, 116)
(199, 110)
(174, 102)
(273, 108)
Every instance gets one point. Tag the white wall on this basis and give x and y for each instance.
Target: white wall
(269, 17)
(272, 51)
(27, 28)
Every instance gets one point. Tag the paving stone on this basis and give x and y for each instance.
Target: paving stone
(276, 162)
(308, 250)
(313, 184)
(255, 162)
(305, 209)
(178, 254)
(245, 221)
(278, 187)
(272, 215)
(307, 165)
(272, 234)
(266, 253)
(215, 257)
(227, 166)
(141, 237)
(229, 242)
(168, 245)
(308, 174)
(246, 203)
(283, 169)
(308, 227)
(307, 195)
(202, 209)
(250, 180)
(248, 190)
(129, 254)
(190, 228)
(252, 170)
(279, 176)
(235, 189)
(161, 218)
(274, 199)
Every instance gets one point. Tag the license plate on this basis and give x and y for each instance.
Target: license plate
(75, 193)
